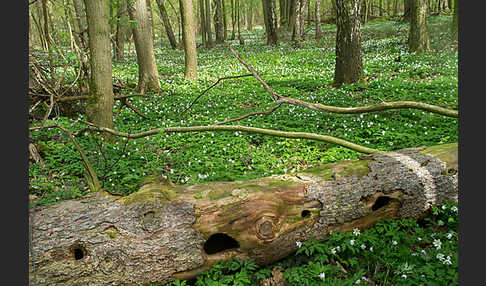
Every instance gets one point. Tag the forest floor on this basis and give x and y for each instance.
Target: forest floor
(391, 73)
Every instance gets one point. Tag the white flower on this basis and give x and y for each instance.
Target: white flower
(356, 231)
(371, 249)
(363, 246)
(338, 248)
(394, 242)
(298, 243)
(437, 243)
(322, 275)
(333, 251)
(358, 281)
(444, 207)
(419, 239)
(449, 235)
(440, 256)
(454, 208)
(351, 242)
(404, 276)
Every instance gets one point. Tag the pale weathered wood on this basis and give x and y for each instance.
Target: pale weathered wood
(163, 232)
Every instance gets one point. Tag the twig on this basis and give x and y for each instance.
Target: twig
(271, 132)
(213, 85)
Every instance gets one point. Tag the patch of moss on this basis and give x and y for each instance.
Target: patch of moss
(445, 152)
(151, 193)
(357, 168)
(218, 194)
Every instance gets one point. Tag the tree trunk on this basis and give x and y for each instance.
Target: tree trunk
(45, 16)
(318, 19)
(121, 30)
(166, 21)
(418, 38)
(296, 34)
(164, 232)
(225, 20)
(218, 22)
(455, 20)
(233, 19)
(270, 19)
(349, 64)
(406, 10)
(81, 23)
(282, 12)
(208, 23)
(249, 17)
(189, 31)
(99, 109)
(148, 76)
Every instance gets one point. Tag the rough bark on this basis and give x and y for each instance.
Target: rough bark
(100, 103)
(349, 63)
(165, 232)
(418, 37)
(189, 30)
(218, 22)
(168, 28)
(81, 23)
(148, 76)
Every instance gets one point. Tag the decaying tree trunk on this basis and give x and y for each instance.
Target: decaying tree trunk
(165, 232)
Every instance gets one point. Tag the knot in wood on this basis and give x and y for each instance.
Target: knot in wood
(266, 228)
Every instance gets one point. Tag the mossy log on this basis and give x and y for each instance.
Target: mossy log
(164, 232)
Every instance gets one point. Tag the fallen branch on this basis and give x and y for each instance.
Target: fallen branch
(348, 110)
(271, 132)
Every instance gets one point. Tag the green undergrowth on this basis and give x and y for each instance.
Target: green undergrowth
(390, 74)
(392, 252)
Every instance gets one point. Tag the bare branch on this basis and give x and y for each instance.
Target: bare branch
(271, 132)
(349, 110)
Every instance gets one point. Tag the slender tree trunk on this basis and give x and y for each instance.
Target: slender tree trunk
(282, 12)
(38, 12)
(202, 14)
(249, 17)
(148, 77)
(291, 15)
(151, 18)
(121, 30)
(233, 19)
(189, 40)
(349, 64)
(296, 35)
(418, 38)
(455, 20)
(208, 23)
(99, 109)
(318, 19)
(395, 8)
(80, 20)
(45, 16)
(238, 11)
(218, 22)
(225, 20)
(166, 21)
(449, 4)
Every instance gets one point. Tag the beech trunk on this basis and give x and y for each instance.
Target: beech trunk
(164, 232)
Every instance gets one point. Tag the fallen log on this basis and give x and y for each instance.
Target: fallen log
(164, 232)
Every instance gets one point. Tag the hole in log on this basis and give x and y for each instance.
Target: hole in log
(78, 252)
(380, 202)
(219, 242)
(305, 213)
